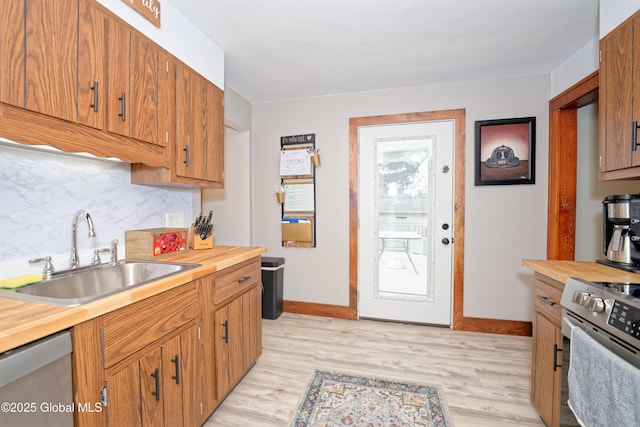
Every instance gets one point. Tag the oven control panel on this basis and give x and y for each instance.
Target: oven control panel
(625, 318)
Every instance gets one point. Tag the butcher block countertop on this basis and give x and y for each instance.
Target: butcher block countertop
(561, 270)
(22, 322)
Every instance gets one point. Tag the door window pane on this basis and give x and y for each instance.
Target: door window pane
(403, 201)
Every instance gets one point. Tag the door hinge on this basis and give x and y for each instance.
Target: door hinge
(201, 408)
(166, 136)
(198, 333)
(103, 396)
(167, 66)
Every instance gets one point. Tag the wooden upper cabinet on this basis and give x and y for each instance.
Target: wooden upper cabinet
(166, 99)
(12, 56)
(143, 86)
(620, 101)
(136, 68)
(191, 122)
(200, 127)
(51, 58)
(118, 96)
(215, 133)
(92, 71)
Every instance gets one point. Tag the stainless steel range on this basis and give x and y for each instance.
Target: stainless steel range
(602, 319)
(608, 311)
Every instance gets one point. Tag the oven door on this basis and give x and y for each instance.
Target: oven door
(603, 375)
(627, 352)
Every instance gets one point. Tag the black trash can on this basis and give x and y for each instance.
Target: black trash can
(272, 282)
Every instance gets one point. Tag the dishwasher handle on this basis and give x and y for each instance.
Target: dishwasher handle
(20, 362)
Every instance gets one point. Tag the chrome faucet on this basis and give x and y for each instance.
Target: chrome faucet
(73, 261)
(114, 251)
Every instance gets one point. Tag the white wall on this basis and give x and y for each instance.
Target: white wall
(582, 63)
(614, 12)
(589, 190)
(237, 110)
(503, 224)
(231, 205)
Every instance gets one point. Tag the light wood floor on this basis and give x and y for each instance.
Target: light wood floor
(485, 377)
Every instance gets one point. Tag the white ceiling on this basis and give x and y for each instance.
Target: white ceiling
(288, 49)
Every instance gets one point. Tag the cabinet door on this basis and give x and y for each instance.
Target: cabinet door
(635, 149)
(152, 389)
(166, 99)
(172, 382)
(191, 123)
(143, 89)
(620, 96)
(200, 127)
(92, 82)
(192, 379)
(52, 57)
(229, 346)
(123, 408)
(252, 326)
(546, 381)
(215, 134)
(12, 25)
(118, 51)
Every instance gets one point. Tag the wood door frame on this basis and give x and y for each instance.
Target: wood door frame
(563, 159)
(459, 117)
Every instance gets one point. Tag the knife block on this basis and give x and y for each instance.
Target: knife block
(198, 243)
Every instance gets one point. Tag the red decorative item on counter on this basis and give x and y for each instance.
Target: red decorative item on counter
(166, 243)
(154, 243)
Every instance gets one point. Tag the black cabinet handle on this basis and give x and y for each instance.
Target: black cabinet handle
(156, 375)
(546, 300)
(244, 279)
(225, 324)
(177, 375)
(555, 357)
(94, 88)
(123, 108)
(634, 136)
(186, 155)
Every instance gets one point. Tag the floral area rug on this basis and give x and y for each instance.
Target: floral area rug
(338, 399)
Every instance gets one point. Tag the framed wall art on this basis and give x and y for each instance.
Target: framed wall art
(505, 151)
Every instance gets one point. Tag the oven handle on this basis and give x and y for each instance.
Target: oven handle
(568, 324)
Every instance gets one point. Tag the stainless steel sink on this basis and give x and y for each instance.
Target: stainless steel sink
(80, 287)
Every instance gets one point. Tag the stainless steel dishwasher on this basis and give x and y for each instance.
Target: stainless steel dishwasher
(35, 383)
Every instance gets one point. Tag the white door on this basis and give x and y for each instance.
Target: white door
(405, 213)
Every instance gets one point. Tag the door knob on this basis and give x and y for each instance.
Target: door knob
(445, 241)
(445, 226)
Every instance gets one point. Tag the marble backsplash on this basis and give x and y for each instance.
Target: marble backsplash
(40, 191)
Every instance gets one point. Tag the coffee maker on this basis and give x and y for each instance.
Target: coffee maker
(621, 231)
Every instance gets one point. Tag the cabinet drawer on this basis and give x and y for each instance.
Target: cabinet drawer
(547, 294)
(130, 329)
(234, 280)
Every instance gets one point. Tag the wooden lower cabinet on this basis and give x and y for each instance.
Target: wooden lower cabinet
(238, 339)
(142, 362)
(547, 350)
(546, 379)
(156, 389)
(170, 359)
